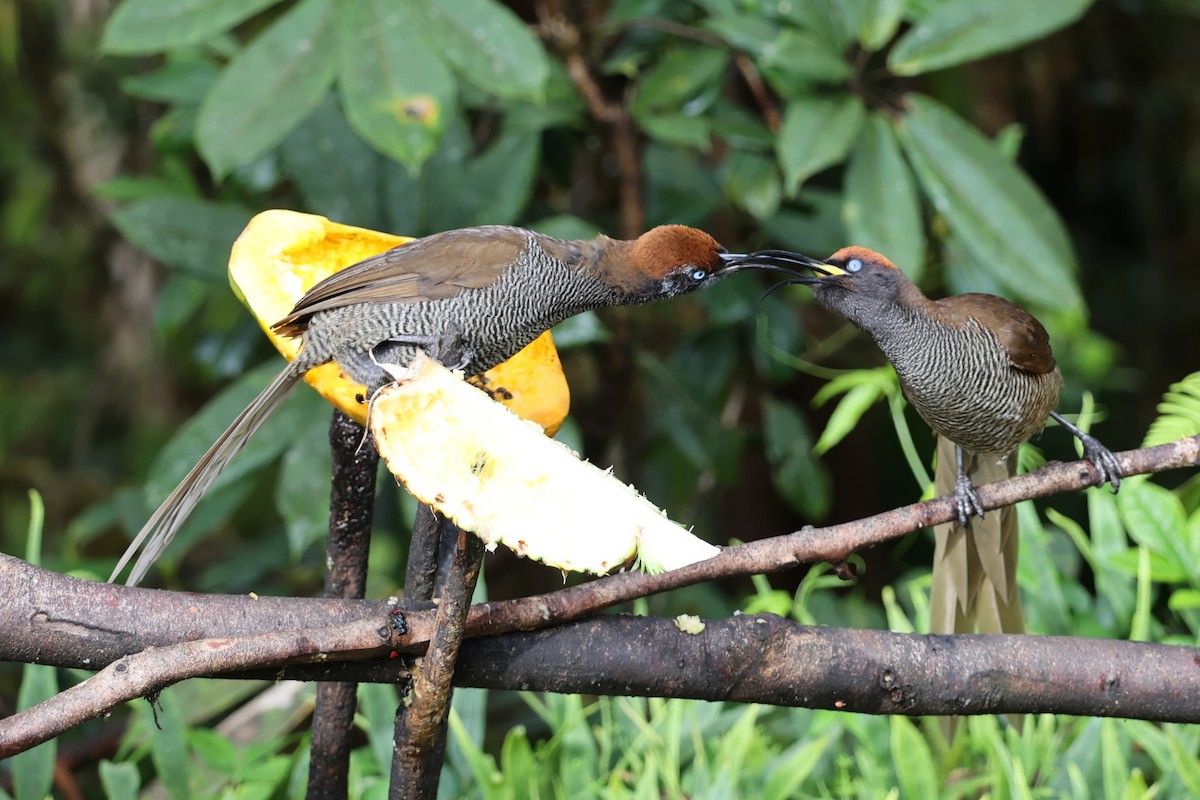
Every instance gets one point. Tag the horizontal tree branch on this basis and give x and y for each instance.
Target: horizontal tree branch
(50, 618)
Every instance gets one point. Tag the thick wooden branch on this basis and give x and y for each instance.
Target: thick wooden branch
(50, 618)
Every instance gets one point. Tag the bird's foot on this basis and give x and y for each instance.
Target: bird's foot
(451, 349)
(966, 500)
(1103, 460)
(1101, 457)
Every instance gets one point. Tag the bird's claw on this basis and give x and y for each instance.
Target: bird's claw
(1103, 460)
(966, 501)
(452, 350)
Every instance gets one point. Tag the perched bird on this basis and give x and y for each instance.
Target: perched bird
(494, 289)
(980, 371)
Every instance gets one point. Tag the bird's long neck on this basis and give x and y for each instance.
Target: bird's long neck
(897, 322)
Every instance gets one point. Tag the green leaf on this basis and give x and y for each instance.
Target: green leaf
(139, 27)
(190, 235)
(168, 743)
(486, 43)
(797, 476)
(881, 209)
(507, 170)
(680, 188)
(33, 770)
(750, 33)
(1155, 518)
(1108, 539)
(302, 494)
(377, 710)
(996, 211)
(1178, 413)
(832, 21)
(817, 133)
(269, 87)
(752, 182)
(398, 93)
(681, 129)
(1113, 763)
(878, 22)
(966, 30)
(820, 230)
(179, 82)
(121, 780)
(796, 60)
(683, 76)
(194, 438)
(847, 414)
(337, 174)
(915, 769)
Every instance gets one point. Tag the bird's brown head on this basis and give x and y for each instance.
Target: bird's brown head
(667, 261)
(858, 283)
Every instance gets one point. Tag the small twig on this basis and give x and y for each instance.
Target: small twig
(421, 724)
(569, 43)
(762, 95)
(351, 509)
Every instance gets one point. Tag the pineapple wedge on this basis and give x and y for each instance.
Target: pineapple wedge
(499, 477)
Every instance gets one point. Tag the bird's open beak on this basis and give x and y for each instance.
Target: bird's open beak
(774, 261)
(788, 262)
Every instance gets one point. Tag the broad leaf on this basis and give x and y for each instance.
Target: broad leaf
(817, 133)
(486, 43)
(683, 79)
(833, 21)
(752, 182)
(797, 476)
(496, 183)
(397, 91)
(847, 414)
(187, 234)
(967, 30)
(878, 22)
(796, 60)
(139, 27)
(1155, 518)
(881, 209)
(337, 173)
(179, 82)
(993, 208)
(197, 434)
(269, 87)
(302, 494)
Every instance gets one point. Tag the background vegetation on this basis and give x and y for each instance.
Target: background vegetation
(1045, 151)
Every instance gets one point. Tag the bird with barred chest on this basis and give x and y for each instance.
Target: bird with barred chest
(493, 289)
(980, 371)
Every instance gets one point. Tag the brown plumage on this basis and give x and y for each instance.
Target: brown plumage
(980, 371)
(493, 289)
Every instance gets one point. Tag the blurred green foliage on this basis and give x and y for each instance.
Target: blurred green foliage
(1009, 148)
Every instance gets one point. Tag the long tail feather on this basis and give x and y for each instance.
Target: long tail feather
(975, 569)
(162, 526)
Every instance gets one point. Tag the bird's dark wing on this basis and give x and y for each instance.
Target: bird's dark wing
(1020, 334)
(432, 268)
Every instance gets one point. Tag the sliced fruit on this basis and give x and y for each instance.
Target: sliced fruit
(281, 254)
(497, 476)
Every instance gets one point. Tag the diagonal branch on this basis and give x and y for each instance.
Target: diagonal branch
(50, 618)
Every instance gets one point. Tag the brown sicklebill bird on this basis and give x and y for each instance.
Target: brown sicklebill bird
(979, 370)
(492, 289)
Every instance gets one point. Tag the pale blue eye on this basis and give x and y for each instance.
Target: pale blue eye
(853, 265)
(699, 275)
